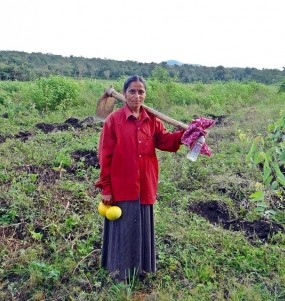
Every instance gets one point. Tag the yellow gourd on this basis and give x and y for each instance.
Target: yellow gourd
(102, 208)
(113, 213)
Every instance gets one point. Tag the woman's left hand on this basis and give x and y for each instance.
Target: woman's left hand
(107, 199)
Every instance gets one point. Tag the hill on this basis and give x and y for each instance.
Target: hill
(173, 62)
(23, 66)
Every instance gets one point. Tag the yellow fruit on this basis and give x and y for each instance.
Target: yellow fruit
(102, 208)
(113, 213)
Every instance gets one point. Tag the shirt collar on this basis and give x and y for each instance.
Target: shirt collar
(128, 112)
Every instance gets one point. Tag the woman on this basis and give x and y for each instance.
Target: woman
(129, 179)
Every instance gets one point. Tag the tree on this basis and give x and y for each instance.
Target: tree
(220, 73)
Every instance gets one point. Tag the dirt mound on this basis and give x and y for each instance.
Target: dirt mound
(24, 136)
(45, 174)
(213, 211)
(2, 138)
(218, 213)
(74, 122)
(89, 158)
(48, 127)
(261, 229)
(68, 124)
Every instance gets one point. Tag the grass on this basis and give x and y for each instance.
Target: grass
(50, 230)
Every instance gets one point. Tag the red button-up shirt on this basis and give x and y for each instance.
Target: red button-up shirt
(127, 155)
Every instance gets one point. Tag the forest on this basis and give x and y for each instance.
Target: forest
(23, 66)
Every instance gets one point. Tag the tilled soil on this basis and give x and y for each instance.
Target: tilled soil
(218, 213)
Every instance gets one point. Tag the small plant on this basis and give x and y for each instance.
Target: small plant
(45, 271)
(268, 154)
(262, 208)
(54, 91)
(62, 160)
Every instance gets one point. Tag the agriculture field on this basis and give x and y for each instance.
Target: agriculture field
(219, 221)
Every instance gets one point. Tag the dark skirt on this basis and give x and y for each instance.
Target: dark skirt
(129, 242)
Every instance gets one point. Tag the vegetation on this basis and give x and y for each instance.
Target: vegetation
(22, 66)
(219, 221)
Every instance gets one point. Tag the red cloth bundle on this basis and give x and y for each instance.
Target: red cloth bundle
(196, 129)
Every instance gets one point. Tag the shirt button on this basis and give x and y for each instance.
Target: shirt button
(140, 142)
(140, 156)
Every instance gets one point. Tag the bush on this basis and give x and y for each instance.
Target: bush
(54, 91)
(282, 88)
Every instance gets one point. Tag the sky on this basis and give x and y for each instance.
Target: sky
(231, 33)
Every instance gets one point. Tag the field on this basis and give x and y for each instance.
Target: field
(219, 221)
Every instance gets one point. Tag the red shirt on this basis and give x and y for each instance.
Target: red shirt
(127, 155)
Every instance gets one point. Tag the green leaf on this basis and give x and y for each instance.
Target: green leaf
(251, 152)
(257, 196)
(274, 185)
(269, 180)
(36, 235)
(281, 180)
(280, 177)
(261, 205)
(266, 171)
(259, 157)
(270, 212)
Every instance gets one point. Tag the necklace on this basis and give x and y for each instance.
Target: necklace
(137, 115)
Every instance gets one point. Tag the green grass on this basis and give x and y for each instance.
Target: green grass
(51, 233)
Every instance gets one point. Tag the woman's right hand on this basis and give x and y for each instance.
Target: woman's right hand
(107, 199)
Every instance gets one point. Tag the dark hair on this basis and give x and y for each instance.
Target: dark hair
(133, 78)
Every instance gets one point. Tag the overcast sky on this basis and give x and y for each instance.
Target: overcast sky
(231, 33)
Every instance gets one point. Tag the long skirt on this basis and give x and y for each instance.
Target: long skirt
(129, 243)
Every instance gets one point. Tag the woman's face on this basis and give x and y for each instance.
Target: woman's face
(135, 95)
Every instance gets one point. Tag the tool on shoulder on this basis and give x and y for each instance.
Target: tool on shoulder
(106, 103)
(193, 131)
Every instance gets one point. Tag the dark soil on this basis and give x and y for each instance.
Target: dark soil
(23, 135)
(67, 125)
(48, 127)
(89, 158)
(46, 174)
(218, 213)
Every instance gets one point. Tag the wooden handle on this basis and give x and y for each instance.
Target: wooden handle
(114, 93)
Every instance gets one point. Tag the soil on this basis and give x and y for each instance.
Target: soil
(218, 213)
(89, 158)
(68, 124)
(45, 174)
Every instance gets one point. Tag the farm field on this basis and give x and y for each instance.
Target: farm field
(219, 221)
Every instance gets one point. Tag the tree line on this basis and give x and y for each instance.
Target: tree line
(23, 66)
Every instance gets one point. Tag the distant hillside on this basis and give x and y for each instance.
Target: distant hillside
(23, 66)
(174, 62)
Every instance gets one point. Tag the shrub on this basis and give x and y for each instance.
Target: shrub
(55, 91)
(268, 154)
(282, 88)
